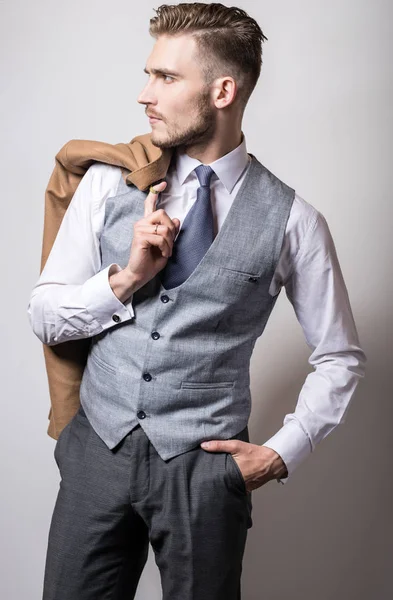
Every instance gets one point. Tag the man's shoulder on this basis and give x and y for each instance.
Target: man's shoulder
(304, 215)
(104, 170)
(103, 178)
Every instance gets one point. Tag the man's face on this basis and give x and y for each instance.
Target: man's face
(177, 95)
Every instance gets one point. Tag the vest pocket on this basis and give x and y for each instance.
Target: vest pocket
(206, 385)
(103, 364)
(240, 277)
(238, 287)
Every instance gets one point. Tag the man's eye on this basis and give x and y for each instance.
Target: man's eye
(165, 76)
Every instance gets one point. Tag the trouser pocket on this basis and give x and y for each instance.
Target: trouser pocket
(236, 473)
(62, 433)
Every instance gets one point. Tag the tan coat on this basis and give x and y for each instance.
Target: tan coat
(148, 164)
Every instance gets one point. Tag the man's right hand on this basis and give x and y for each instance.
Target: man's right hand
(149, 250)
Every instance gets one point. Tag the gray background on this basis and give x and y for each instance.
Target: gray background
(320, 119)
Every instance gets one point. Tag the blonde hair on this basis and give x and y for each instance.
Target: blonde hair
(228, 40)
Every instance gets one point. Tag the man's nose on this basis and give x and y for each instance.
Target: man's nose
(146, 96)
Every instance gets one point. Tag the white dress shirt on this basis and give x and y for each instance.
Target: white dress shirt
(73, 299)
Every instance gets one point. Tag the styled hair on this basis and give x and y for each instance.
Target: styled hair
(228, 41)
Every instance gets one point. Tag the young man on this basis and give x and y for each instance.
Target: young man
(173, 292)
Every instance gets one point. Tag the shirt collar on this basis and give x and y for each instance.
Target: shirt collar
(228, 168)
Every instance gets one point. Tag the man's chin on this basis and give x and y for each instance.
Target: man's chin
(161, 143)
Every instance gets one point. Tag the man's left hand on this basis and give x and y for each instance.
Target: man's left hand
(258, 464)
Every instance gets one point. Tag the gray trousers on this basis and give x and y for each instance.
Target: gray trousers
(194, 509)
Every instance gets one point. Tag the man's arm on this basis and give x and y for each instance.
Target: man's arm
(318, 294)
(72, 298)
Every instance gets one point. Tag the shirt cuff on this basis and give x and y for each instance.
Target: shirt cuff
(101, 301)
(292, 444)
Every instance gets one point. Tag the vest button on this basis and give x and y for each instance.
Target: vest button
(147, 377)
(141, 414)
(164, 298)
(252, 279)
(116, 318)
(155, 335)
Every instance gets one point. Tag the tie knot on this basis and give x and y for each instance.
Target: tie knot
(204, 173)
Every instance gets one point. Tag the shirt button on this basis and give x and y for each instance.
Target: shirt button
(164, 298)
(141, 414)
(155, 335)
(116, 318)
(147, 377)
(252, 279)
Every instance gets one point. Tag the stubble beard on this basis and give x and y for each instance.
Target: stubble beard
(196, 133)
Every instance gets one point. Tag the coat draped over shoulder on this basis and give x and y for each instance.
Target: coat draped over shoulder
(142, 165)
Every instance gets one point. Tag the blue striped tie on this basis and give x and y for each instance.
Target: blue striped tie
(195, 236)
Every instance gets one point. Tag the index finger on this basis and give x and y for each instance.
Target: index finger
(151, 198)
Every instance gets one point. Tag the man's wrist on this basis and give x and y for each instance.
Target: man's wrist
(124, 284)
(278, 468)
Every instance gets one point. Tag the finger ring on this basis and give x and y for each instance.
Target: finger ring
(153, 191)
(156, 228)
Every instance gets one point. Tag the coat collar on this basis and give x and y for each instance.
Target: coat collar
(142, 163)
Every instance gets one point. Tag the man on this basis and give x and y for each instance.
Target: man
(173, 292)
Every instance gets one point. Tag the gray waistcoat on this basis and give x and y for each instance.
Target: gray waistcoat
(180, 367)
